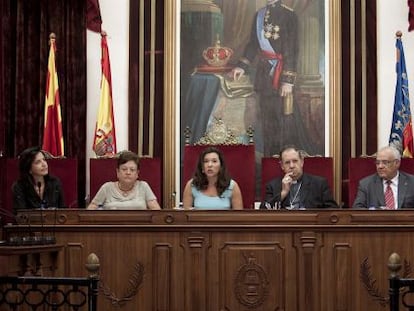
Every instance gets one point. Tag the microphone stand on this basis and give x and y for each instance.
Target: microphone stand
(55, 216)
(39, 186)
(43, 204)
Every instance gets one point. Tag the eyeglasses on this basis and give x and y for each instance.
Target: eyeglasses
(384, 162)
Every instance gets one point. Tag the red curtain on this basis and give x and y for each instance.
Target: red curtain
(93, 17)
(24, 35)
(410, 15)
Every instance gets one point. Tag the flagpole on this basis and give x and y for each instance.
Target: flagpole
(104, 143)
(401, 136)
(53, 134)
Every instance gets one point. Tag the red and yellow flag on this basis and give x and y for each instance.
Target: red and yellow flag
(105, 140)
(52, 134)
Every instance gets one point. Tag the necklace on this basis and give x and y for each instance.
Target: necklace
(123, 191)
(292, 201)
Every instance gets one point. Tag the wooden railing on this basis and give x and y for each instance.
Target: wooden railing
(51, 293)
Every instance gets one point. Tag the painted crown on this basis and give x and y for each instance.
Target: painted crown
(217, 56)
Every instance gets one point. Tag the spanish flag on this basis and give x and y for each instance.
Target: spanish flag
(105, 140)
(52, 134)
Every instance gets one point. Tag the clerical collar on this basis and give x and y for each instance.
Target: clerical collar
(299, 180)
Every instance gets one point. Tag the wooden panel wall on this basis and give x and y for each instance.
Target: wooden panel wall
(317, 260)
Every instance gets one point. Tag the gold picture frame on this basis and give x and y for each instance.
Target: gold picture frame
(171, 173)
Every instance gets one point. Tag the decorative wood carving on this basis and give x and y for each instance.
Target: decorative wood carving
(134, 281)
(370, 282)
(218, 133)
(251, 284)
(311, 258)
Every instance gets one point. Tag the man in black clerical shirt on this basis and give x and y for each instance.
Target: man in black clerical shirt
(296, 189)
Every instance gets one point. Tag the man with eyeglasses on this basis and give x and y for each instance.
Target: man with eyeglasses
(389, 188)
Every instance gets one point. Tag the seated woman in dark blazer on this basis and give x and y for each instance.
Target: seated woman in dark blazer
(35, 188)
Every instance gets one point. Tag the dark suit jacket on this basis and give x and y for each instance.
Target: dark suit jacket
(371, 192)
(314, 193)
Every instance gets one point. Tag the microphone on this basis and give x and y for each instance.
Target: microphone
(44, 239)
(39, 186)
(57, 195)
(271, 205)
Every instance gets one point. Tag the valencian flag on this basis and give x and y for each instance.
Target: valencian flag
(52, 134)
(401, 135)
(105, 140)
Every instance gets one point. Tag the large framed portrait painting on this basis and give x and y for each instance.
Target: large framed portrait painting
(265, 69)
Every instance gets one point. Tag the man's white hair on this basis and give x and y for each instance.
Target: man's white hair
(394, 150)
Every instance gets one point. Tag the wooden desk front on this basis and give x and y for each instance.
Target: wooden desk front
(235, 260)
(39, 260)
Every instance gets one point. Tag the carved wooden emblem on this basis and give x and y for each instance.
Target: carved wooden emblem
(218, 134)
(251, 284)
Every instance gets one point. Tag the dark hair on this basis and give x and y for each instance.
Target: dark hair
(290, 147)
(200, 179)
(126, 156)
(26, 159)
